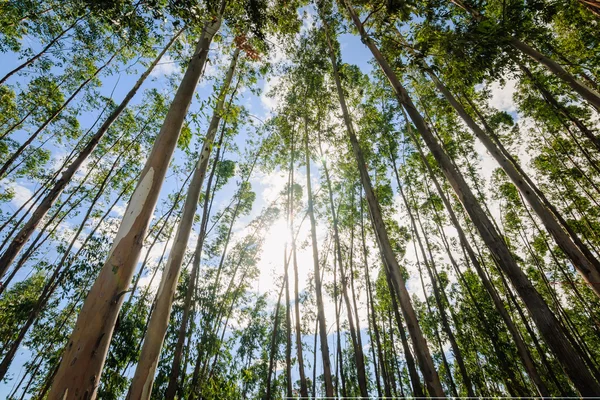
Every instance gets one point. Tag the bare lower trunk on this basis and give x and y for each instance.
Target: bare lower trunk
(359, 358)
(549, 326)
(385, 247)
(81, 366)
(141, 385)
(176, 365)
(318, 289)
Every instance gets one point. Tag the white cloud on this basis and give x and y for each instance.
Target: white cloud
(21, 193)
(268, 98)
(502, 95)
(166, 66)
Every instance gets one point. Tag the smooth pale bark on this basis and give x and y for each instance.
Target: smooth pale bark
(49, 199)
(299, 346)
(17, 153)
(83, 360)
(41, 53)
(177, 354)
(318, 290)
(586, 93)
(387, 252)
(359, 358)
(546, 321)
(586, 264)
(141, 385)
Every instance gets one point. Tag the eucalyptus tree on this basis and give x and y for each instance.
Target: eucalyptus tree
(142, 382)
(583, 259)
(421, 348)
(46, 203)
(546, 321)
(78, 375)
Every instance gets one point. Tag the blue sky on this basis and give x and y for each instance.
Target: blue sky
(266, 186)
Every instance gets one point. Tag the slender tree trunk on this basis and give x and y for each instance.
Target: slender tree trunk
(419, 342)
(273, 351)
(176, 365)
(318, 289)
(546, 321)
(359, 358)
(141, 385)
(299, 346)
(82, 363)
(339, 365)
(429, 264)
(373, 314)
(40, 212)
(586, 264)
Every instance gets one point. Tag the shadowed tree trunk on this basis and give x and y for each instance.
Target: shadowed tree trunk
(422, 351)
(549, 326)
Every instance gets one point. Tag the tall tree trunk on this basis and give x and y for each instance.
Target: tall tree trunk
(81, 366)
(141, 385)
(40, 212)
(187, 305)
(373, 314)
(587, 265)
(273, 351)
(359, 358)
(429, 265)
(318, 290)
(549, 326)
(299, 346)
(423, 356)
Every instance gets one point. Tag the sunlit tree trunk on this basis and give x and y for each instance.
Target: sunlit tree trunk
(359, 358)
(586, 264)
(82, 362)
(318, 289)
(183, 328)
(141, 385)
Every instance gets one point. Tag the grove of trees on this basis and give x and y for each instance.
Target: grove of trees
(270, 199)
